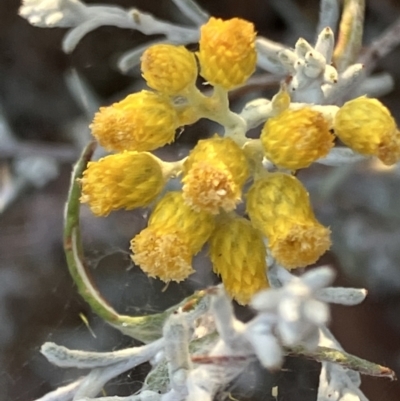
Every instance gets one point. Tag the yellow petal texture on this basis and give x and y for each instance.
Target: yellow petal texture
(169, 69)
(279, 206)
(126, 180)
(142, 121)
(296, 138)
(187, 115)
(175, 234)
(238, 255)
(367, 126)
(162, 253)
(172, 212)
(214, 174)
(227, 52)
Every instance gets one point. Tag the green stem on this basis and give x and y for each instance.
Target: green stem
(348, 361)
(143, 328)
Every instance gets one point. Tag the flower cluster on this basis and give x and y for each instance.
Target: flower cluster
(198, 346)
(215, 172)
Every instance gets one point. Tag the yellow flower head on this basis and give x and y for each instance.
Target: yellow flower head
(299, 244)
(126, 180)
(367, 126)
(238, 254)
(162, 253)
(296, 138)
(172, 212)
(279, 206)
(169, 69)
(175, 234)
(214, 174)
(227, 52)
(142, 121)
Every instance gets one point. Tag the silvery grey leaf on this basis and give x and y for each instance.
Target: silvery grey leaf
(326, 43)
(193, 11)
(348, 80)
(267, 349)
(302, 47)
(341, 295)
(256, 112)
(289, 309)
(63, 14)
(376, 85)
(319, 277)
(328, 15)
(64, 393)
(38, 171)
(74, 35)
(266, 300)
(292, 332)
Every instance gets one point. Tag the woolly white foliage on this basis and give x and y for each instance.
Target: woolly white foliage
(292, 314)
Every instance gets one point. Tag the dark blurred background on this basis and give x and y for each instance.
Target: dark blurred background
(42, 130)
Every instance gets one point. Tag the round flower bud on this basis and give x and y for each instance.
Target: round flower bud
(227, 52)
(366, 126)
(296, 138)
(238, 254)
(169, 69)
(279, 206)
(142, 121)
(126, 180)
(214, 174)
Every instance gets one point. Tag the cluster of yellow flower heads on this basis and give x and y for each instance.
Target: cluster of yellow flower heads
(219, 170)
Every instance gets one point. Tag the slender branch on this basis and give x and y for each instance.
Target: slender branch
(320, 354)
(381, 46)
(326, 354)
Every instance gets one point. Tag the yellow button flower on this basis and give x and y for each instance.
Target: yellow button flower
(214, 174)
(296, 138)
(142, 121)
(367, 126)
(175, 234)
(238, 254)
(227, 52)
(279, 206)
(161, 253)
(169, 69)
(127, 180)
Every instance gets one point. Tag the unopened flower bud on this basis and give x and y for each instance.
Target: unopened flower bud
(142, 121)
(296, 138)
(238, 254)
(169, 69)
(126, 180)
(366, 126)
(227, 52)
(279, 206)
